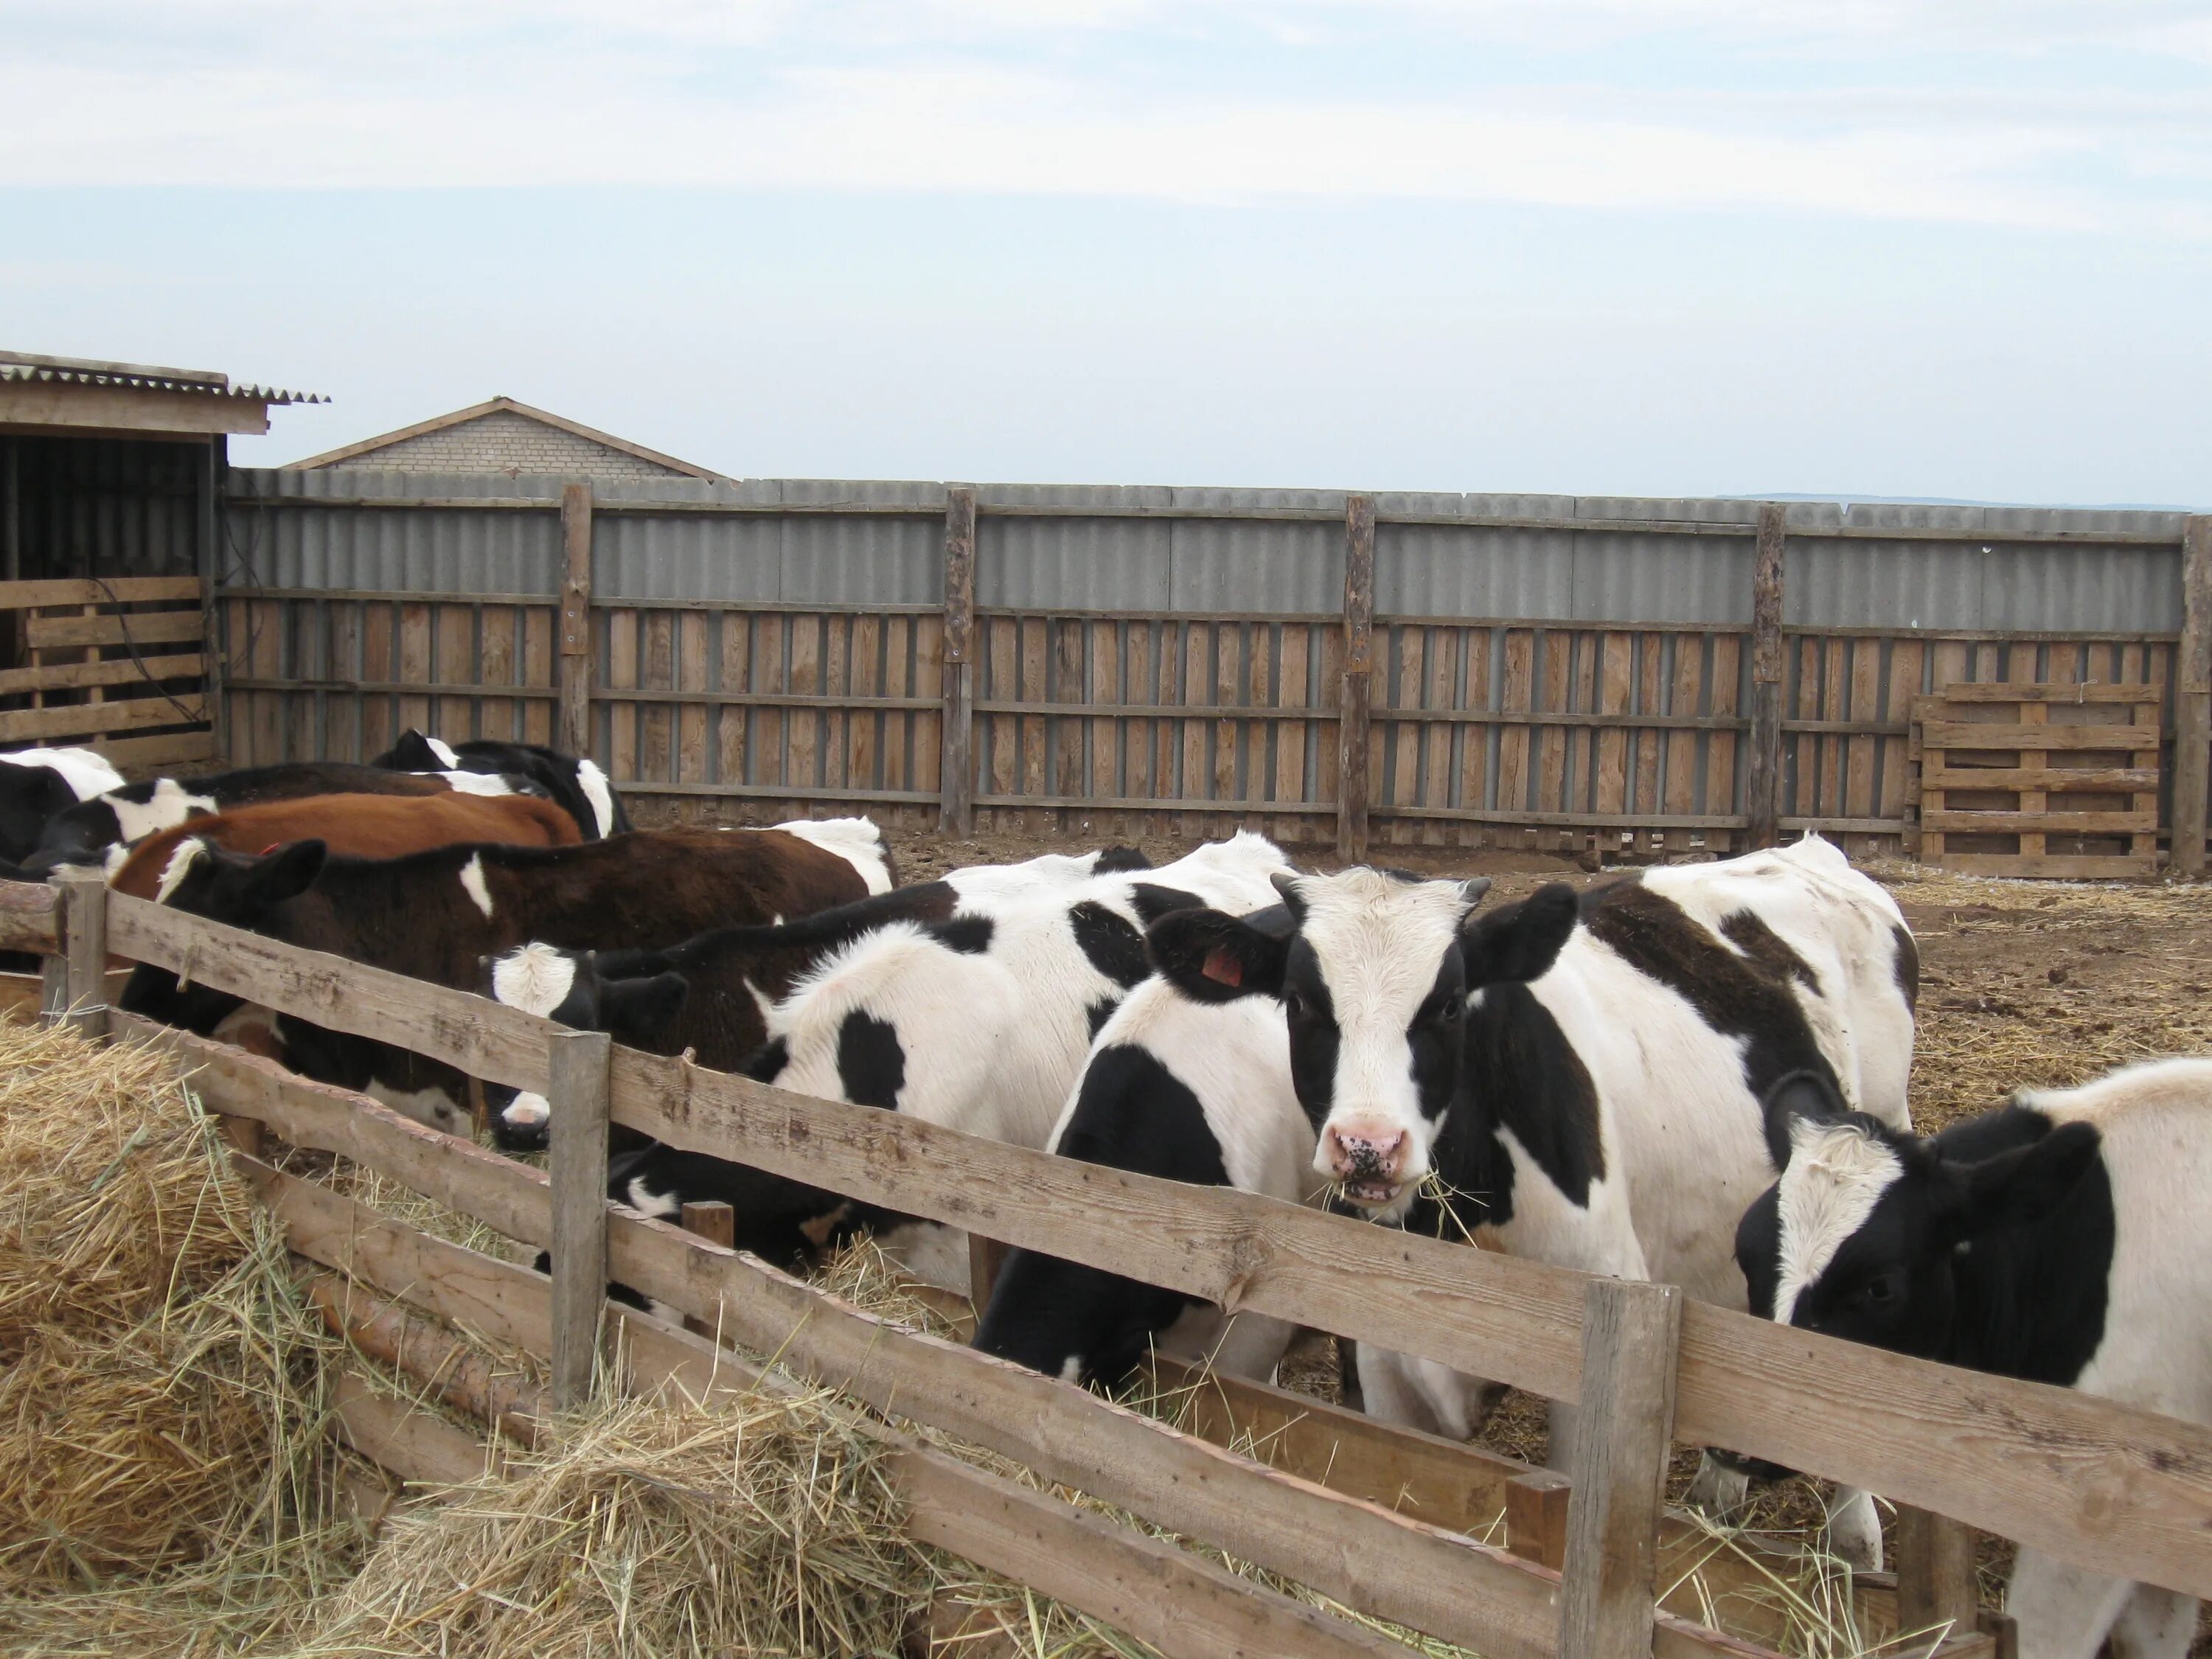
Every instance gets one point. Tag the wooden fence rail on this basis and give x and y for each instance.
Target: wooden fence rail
(2112, 1488)
(1350, 728)
(118, 663)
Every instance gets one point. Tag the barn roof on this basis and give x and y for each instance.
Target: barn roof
(29, 365)
(363, 452)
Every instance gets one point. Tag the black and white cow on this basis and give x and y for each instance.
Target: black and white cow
(1185, 1089)
(98, 830)
(1582, 1080)
(38, 784)
(979, 1022)
(737, 976)
(2062, 1238)
(575, 781)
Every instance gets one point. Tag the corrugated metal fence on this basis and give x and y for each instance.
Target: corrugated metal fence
(1543, 668)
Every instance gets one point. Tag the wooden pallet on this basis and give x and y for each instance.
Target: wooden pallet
(2050, 781)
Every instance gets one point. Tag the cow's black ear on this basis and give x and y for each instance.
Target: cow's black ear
(1286, 882)
(1518, 941)
(1213, 958)
(636, 1011)
(2020, 1187)
(412, 753)
(1810, 1095)
(285, 873)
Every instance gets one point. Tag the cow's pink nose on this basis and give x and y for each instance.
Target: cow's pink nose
(1366, 1155)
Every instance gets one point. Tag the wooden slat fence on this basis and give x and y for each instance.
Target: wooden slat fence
(116, 663)
(2112, 1488)
(1484, 730)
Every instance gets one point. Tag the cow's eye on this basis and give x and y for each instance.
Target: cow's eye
(1294, 1004)
(1881, 1288)
(1454, 1007)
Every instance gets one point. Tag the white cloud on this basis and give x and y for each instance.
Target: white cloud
(1006, 96)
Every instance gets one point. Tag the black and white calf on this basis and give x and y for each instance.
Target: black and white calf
(978, 1019)
(1582, 1077)
(2062, 1238)
(1198, 1092)
(39, 784)
(576, 783)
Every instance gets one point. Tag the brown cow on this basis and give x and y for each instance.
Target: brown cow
(438, 915)
(362, 826)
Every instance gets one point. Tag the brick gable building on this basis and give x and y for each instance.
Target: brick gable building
(505, 436)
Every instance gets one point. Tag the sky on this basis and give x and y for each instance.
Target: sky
(1952, 248)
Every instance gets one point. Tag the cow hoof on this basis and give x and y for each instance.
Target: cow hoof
(1855, 1532)
(1720, 1491)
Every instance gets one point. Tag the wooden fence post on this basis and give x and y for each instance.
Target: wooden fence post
(574, 737)
(214, 474)
(83, 1001)
(1623, 1430)
(1763, 777)
(1536, 1508)
(957, 769)
(717, 1223)
(1359, 678)
(986, 1257)
(2192, 699)
(1934, 1573)
(577, 1103)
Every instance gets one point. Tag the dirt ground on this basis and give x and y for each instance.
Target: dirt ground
(2023, 984)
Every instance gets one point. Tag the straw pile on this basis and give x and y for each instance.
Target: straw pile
(161, 1415)
(765, 1526)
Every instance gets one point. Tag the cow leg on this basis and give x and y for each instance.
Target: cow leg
(2155, 1624)
(1389, 1392)
(1563, 1436)
(1719, 1490)
(1252, 1345)
(1855, 1529)
(2063, 1611)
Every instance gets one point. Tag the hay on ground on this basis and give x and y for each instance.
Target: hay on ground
(163, 1459)
(767, 1525)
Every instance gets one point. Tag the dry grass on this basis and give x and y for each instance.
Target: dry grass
(163, 1471)
(652, 1529)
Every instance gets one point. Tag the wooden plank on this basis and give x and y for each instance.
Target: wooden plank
(1935, 1577)
(1003, 643)
(1181, 1604)
(485, 1039)
(30, 917)
(86, 720)
(2054, 780)
(692, 654)
(108, 590)
(1513, 744)
(144, 757)
(414, 670)
(864, 679)
(140, 629)
(576, 1066)
(1683, 690)
(2051, 866)
(2033, 820)
(499, 718)
(1618, 1461)
(957, 777)
(453, 1371)
(656, 742)
(1475, 746)
(1359, 672)
(1969, 691)
(1615, 683)
(1553, 773)
(1763, 764)
(393, 1433)
(1035, 657)
(1859, 798)
(1105, 647)
(123, 671)
(577, 669)
(1643, 795)
(733, 752)
(622, 626)
(2192, 700)
(717, 1223)
(83, 917)
(1977, 735)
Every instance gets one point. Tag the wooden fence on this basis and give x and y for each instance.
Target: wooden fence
(117, 663)
(1346, 727)
(2114, 1488)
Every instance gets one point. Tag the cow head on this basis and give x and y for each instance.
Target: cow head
(1860, 1237)
(30, 798)
(567, 986)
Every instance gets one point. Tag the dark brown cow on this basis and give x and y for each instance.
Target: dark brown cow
(360, 826)
(436, 915)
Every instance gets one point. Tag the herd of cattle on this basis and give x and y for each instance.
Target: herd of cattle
(1696, 1074)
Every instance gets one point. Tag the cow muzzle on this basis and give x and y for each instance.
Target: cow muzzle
(1372, 1161)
